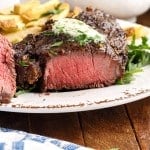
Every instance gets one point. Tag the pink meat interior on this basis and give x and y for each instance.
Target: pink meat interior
(7, 71)
(80, 70)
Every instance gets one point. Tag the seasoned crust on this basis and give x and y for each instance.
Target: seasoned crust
(105, 23)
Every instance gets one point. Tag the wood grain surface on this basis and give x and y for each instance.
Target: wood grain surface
(108, 128)
(125, 127)
(62, 126)
(139, 115)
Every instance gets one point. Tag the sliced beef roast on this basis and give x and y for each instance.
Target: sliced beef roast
(7, 71)
(56, 62)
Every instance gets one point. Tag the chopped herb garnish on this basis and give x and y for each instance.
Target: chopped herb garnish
(52, 12)
(60, 29)
(23, 63)
(56, 44)
(78, 31)
(81, 39)
(51, 51)
(22, 91)
(48, 33)
(138, 56)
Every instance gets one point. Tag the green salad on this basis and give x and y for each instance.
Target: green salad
(138, 57)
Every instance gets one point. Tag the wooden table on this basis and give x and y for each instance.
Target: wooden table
(125, 127)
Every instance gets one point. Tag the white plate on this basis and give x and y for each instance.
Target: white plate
(19, 140)
(84, 100)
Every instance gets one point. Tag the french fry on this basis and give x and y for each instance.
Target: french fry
(21, 8)
(15, 37)
(64, 10)
(11, 23)
(36, 12)
(29, 17)
(76, 11)
(137, 31)
(40, 22)
(6, 11)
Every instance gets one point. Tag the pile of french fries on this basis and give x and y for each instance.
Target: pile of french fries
(22, 19)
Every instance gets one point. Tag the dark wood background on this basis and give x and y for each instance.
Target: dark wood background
(125, 127)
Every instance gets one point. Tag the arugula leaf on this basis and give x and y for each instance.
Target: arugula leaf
(128, 76)
(138, 56)
(144, 45)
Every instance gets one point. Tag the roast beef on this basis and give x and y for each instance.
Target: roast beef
(70, 65)
(7, 71)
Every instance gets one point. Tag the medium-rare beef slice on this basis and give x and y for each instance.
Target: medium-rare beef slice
(91, 65)
(80, 68)
(7, 71)
(64, 63)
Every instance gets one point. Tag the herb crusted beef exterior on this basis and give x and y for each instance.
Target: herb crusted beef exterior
(85, 54)
(116, 38)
